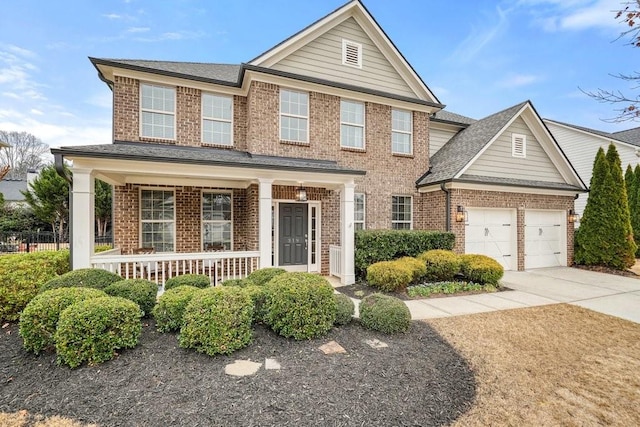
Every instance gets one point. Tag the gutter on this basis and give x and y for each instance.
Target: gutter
(447, 215)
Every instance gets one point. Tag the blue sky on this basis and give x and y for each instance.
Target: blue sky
(478, 57)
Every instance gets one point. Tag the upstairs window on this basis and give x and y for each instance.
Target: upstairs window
(351, 54)
(351, 124)
(518, 145)
(294, 116)
(157, 110)
(401, 212)
(359, 211)
(217, 118)
(401, 132)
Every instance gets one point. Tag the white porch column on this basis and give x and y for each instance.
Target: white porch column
(347, 233)
(83, 218)
(264, 234)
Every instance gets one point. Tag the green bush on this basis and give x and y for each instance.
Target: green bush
(389, 276)
(481, 269)
(217, 321)
(447, 288)
(101, 248)
(169, 311)
(83, 278)
(242, 283)
(300, 305)
(39, 318)
(92, 330)
(22, 276)
(142, 292)
(417, 267)
(385, 245)
(196, 280)
(258, 297)
(345, 309)
(264, 275)
(440, 265)
(385, 314)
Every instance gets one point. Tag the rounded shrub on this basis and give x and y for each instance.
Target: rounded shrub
(217, 321)
(416, 266)
(242, 283)
(196, 280)
(481, 269)
(142, 292)
(389, 276)
(169, 311)
(440, 265)
(345, 309)
(385, 314)
(258, 297)
(300, 305)
(264, 275)
(96, 278)
(92, 330)
(39, 318)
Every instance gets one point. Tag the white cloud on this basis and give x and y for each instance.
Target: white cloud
(573, 15)
(113, 16)
(16, 73)
(478, 39)
(103, 99)
(519, 80)
(138, 29)
(36, 112)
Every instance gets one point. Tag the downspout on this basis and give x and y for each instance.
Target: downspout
(447, 215)
(59, 165)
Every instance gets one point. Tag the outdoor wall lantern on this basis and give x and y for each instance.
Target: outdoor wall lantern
(301, 194)
(573, 217)
(460, 214)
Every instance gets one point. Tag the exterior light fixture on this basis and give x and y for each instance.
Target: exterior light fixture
(301, 194)
(460, 214)
(573, 217)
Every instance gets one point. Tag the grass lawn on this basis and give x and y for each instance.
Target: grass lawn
(551, 365)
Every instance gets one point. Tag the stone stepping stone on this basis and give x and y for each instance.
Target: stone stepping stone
(271, 365)
(376, 343)
(332, 347)
(242, 368)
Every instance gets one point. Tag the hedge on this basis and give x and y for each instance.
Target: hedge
(83, 278)
(385, 314)
(142, 292)
(22, 276)
(390, 276)
(440, 265)
(373, 246)
(481, 269)
(201, 281)
(169, 311)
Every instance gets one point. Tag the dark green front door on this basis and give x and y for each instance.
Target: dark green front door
(293, 228)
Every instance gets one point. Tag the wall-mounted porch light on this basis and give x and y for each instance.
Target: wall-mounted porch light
(301, 194)
(460, 214)
(573, 217)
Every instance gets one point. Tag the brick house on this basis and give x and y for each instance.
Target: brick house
(277, 161)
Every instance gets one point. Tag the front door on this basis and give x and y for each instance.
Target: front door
(293, 229)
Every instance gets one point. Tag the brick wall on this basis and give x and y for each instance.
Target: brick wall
(188, 116)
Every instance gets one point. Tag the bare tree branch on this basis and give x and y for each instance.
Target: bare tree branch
(26, 152)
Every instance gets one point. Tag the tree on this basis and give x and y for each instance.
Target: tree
(628, 14)
(605, 237)
(48, 197)
(102, 206)
(26, 152)
(631, 183)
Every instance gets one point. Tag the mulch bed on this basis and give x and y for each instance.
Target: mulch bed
(418, 380)
(360, 290)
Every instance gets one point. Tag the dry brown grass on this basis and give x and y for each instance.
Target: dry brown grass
(551, 365)
(24, 419)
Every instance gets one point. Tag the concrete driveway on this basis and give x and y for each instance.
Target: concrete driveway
(606, 293)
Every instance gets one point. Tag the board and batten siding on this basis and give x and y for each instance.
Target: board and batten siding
(581, 149)
(322, 58)
(439, 137)
(498, 162)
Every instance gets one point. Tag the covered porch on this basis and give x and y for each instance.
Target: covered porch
(223, 213)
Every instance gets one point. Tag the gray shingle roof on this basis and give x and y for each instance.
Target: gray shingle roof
(448, 116)
(203, 156)
(10, 189)
(632, 136)
(465, 145)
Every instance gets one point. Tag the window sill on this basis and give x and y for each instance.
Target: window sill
(223, 146)
(299, 143)
(158, 140)
(353, 149)
(408, 156)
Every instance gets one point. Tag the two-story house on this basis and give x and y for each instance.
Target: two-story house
(277, 161)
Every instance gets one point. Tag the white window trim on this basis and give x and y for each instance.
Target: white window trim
(345, 43)
(202, 221)
(292, 115)
(514, 153)
(363, 125)
(364, 211)
(175, 214)
(148, 110)
(213, 119)
(402, 222)
(410, 132)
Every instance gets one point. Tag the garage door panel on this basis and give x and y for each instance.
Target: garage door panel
(491, 232)
(545, 233)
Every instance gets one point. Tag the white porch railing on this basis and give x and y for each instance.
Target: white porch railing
(219, 266)
(335, 260)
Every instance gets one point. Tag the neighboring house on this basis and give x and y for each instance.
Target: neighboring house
(12, 189)
(330, 131)
(581, 145)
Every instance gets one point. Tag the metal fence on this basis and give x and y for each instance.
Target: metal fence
(34, 242)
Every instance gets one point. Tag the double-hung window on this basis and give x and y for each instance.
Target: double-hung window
(157, 220)
(157, 111)
(351, 124)
(217, 119)
(217, 220)
(401, 212)
(294, 116)
(359, 211)
(401, 132)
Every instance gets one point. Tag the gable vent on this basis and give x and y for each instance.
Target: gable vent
(351, 54)
(518, 145)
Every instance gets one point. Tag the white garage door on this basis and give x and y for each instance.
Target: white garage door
(545, 239)
(492, 232)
